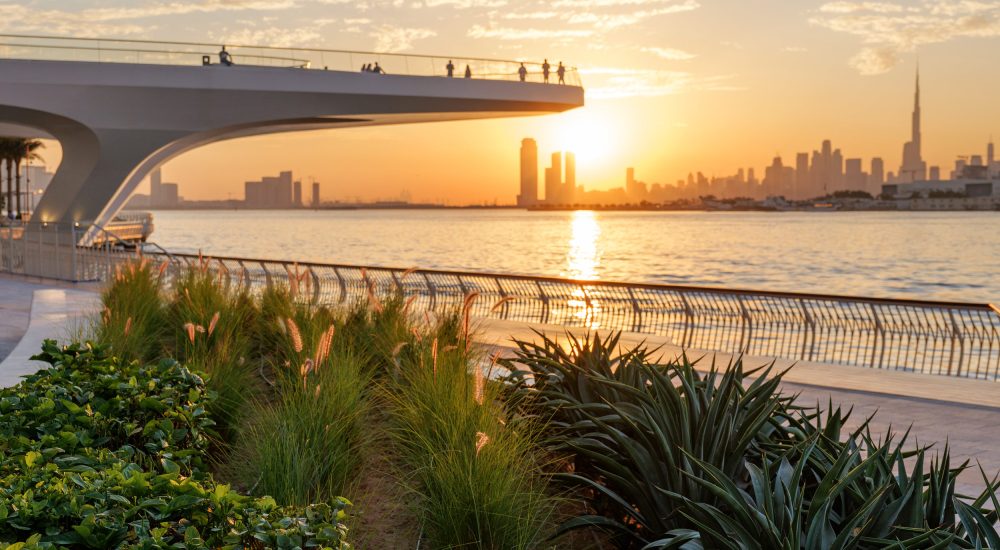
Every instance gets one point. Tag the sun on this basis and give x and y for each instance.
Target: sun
(589, 134)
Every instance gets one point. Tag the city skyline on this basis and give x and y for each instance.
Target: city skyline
(826, 172)
(663, 95)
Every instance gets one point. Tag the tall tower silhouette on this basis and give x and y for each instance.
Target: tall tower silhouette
(914, 168)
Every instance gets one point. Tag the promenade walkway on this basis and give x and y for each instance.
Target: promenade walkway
(962, 412)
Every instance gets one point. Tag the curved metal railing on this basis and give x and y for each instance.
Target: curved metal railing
(948, 338)
(945, 338)
(58, 48)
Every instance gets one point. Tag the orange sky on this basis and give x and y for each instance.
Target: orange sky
(672, 85)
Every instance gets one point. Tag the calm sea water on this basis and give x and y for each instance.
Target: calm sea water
(946, 256)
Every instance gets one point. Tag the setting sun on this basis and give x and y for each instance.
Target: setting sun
(589, 133)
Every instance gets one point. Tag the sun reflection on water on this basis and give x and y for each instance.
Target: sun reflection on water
(583, 260)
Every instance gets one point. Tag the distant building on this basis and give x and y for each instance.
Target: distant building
(802, 180)
(297, 194)
(877, 176)
(913, 168)
(935, 173)
(269, 192)
(569, 186)
(553, 180)
(162, 195)
(855, 179)
(529, 173)
(315, 195)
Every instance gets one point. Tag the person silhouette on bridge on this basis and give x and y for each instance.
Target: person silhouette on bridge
(225, 58)
(545, 71)
(378, 70)
(451, 69)
(468, 72)
(522, 72)
(561, 71)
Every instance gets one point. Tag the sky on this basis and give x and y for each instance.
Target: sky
(672, 86)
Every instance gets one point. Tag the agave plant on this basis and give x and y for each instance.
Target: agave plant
(637, 430)
(668, 457)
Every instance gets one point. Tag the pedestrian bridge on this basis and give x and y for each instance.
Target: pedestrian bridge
(119, 109)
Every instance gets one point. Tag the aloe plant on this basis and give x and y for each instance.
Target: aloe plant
(669, 457)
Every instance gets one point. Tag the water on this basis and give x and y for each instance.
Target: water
(919, 255)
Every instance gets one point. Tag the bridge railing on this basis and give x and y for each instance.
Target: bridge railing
(946, 338)
(56, 48)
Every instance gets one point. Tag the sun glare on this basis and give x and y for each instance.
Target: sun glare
(587, 134)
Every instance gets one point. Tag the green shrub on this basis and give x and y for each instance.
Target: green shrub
(95, 453)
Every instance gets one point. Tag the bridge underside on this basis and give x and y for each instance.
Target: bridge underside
(116, 123)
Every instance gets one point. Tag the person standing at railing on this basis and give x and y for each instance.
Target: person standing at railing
(378, 70)
(545, 71)
(561, 71)
(522, 72)
(225, 58)
(468, 72)
(451, 69)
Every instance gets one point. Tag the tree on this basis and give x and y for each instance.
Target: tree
(7, 151)
(26, 150)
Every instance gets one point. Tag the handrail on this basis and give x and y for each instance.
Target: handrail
(934, 337)
(315, 58)
(260, 47)
(627, 285)
(300, 62)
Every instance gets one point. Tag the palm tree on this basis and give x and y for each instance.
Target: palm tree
(25, 151)
(7, 151)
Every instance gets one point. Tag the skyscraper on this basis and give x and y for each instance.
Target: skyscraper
(569, 187)
(854, 176)
(529, 173)
(553, 180)
(802, 178)
(877, 176)
(315, 195)
(297, 194)
(913, 168)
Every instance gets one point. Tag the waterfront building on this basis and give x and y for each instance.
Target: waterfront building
(297, 194)
(802, 179)
(529, 173)
(315, 195)
(569, 186)
(877, 175)
(935, 173)
(269, 192)
(913, 168)
(553, 180)
(855, 179)
(162, 195)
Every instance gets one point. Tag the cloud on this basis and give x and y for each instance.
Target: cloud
(506, 33)
(872, 61)
(889, 29)
(117, 21)
(795, 49)
(670, 53)
(390, 38)
(619, 83)
(460, 4)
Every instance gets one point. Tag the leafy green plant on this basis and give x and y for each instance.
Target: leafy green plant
(96, 453)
